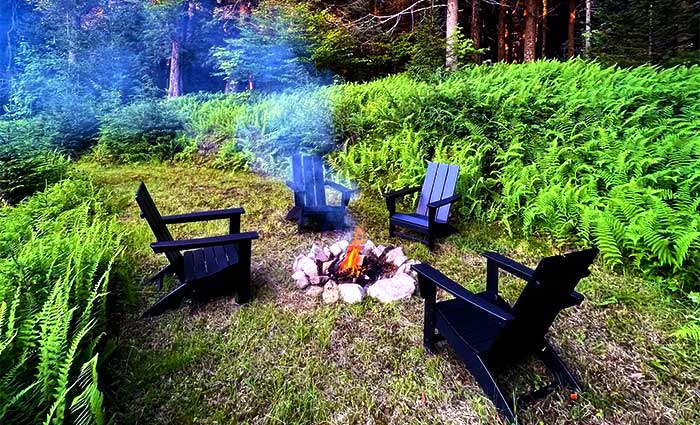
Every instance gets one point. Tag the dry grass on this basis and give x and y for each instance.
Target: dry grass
(286, 359)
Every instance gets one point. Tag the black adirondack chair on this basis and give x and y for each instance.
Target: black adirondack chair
(309, 186)
(205, 267)
(430, 218)
(489, 335)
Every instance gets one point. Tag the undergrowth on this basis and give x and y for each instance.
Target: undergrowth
(57, 257)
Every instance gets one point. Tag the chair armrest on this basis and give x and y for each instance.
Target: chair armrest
(295, 187)
(511, 266)
(434, 277)
(187, 244)
(402, 192)
(443, 202)
(203, 216)
(339, 187)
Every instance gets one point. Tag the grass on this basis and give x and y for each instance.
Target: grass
(284, 358)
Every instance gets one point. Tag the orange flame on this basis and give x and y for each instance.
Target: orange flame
(352, 264)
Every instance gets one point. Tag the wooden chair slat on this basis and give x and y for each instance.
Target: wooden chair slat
(448, 189)
(319, 181)
(427, 190)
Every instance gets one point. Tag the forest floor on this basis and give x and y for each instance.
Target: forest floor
(284, 358)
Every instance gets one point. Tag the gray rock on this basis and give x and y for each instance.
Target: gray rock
(325, 267)
(394, 254)
(351, 293)
(399, 287)
(308, 266)
(314, 291)
(302, 283)
(317, 253)
(331, 294)
(379, 250)
(368, 247)
(296, 267)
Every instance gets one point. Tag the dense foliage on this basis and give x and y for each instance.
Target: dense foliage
(140, 131)
(29, 161)
(57, 257)
(572, 151)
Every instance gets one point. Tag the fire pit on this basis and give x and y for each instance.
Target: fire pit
(350, 270)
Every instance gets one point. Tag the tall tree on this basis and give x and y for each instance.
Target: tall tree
(530, 32)
(450, 34)
(571, 45)
(502, 30)
(545, 14)
(588, 35)
(476, 28)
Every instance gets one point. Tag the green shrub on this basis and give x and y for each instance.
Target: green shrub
(572, 151)
(57, 255)
(28, 163)
(141, 131)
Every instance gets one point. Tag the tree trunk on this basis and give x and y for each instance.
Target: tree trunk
(545, 13)
(502, 31)
(13, 24)
(587, 42)
(452, 20)
(175, 79)
(530, 33)
(476, 28)
(570, 47)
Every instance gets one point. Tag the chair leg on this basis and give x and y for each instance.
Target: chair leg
(170, 301)
(392, 230)
(243, 293)
(431, 241)
(557, 367)
(488, 384)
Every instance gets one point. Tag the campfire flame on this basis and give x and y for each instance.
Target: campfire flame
(351, 266)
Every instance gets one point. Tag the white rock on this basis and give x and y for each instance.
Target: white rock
(302, 283)
(314, 291)
(331, 294)
(399, 260)
(368, 247)
(327, 252)
(308, 266)
(393, 254)
(315, 279)
(299, 274)
(335, 249)
(399, 287)
(296, 263)
(351, 293)
(405, 278)
(379, 250)
(343, 245)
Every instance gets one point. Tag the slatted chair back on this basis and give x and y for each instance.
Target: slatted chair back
(160, 230)
(307, 172)
(549, 291)
(440, 182)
